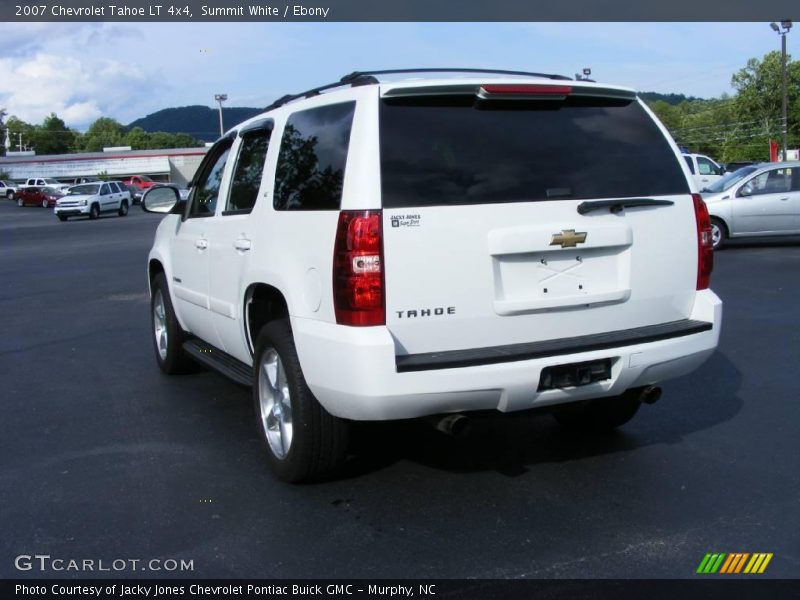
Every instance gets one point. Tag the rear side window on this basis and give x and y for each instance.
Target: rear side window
(312, 158)
(450, 154)
(247, 172)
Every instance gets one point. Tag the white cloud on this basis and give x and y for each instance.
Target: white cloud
(78, 90)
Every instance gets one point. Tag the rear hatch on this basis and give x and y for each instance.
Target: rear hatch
(517, 213)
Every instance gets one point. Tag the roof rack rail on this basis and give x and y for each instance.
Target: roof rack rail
(358, 78)
(357, 74)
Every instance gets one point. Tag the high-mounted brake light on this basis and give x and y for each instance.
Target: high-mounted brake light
(705, 247)
(522, 89)
(358, 297)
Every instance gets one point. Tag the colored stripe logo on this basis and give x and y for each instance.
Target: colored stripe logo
(736, 562)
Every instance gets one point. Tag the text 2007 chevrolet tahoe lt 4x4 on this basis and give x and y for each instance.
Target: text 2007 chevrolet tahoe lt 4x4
(375, 250)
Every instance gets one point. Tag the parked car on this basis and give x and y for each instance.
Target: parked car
(704, 170)
(758, 200)
(45, 197)
(45, 182)
(79, 180)
(93, 199)
(431, 247)
(8, 189)
(143, 182)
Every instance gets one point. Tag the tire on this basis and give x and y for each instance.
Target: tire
(719, 233)
(123, 209)
(45, 204)
(601, 415)
(168, 337)
(10, 195)
(62, 218)
(317, 441)
(94, 211)
(20, 203)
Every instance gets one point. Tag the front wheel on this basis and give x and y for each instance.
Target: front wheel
(20, 203)
(168, 337)
(94, 211)
(45, 204)
(718, 233)
(304, 442)
(123, 209)
(601, 415)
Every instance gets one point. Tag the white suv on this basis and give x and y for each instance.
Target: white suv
(93, 199)
(430, 247)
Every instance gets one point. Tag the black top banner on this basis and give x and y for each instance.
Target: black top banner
(398, 10)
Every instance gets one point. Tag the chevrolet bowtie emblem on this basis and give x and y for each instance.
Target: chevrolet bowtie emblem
(568, 238)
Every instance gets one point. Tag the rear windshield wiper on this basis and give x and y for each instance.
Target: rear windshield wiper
(616, 206)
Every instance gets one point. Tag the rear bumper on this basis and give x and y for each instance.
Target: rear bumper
(354, 373)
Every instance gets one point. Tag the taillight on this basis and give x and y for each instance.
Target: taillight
(358, 297)
(705, 248)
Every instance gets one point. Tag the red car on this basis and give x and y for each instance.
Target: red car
(38, 196)
(143, 182)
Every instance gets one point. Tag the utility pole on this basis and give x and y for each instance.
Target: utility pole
(220, 98)
(782, 30)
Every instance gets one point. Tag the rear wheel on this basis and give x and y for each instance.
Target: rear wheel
(123, 209)
(168, 337)
(304, 442)
(718, 233)
(601, 415)
(94, 211)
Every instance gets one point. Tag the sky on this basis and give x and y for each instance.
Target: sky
(82, 71)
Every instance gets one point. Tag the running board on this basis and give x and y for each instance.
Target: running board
(219, 361)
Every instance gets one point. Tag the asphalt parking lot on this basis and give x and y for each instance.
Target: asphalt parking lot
(105, 458)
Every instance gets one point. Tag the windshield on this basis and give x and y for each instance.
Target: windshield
(145, 178)
(49, 191)
(729, 180)
(85, 189)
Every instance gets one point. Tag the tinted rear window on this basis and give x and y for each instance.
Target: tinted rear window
(312, 158)
(450, 154)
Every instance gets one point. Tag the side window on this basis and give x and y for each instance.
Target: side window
(312, 158)
(114, 187)
(777, 181)
(795, 179)
(206, 189)
(706, 167)
(104, 191)
(689, 162)
(247, 172)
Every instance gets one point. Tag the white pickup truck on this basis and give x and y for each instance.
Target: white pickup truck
(431, 247)
(8, 189)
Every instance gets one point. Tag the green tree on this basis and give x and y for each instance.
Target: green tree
(103, 133)
(53, 137)
(759, 98)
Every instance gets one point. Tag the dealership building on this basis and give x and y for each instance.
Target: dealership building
(175, 165)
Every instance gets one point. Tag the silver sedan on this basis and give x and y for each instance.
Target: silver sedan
(759, 200)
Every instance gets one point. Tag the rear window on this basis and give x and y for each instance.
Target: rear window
(450, 154)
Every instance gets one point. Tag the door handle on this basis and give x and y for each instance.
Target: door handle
(201, 244)
(784, 199)
(242, 244)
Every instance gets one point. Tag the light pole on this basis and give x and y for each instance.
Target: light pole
(220, 98)
(782, 30)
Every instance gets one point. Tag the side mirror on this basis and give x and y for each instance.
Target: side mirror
(746, 190)
(162, 199)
